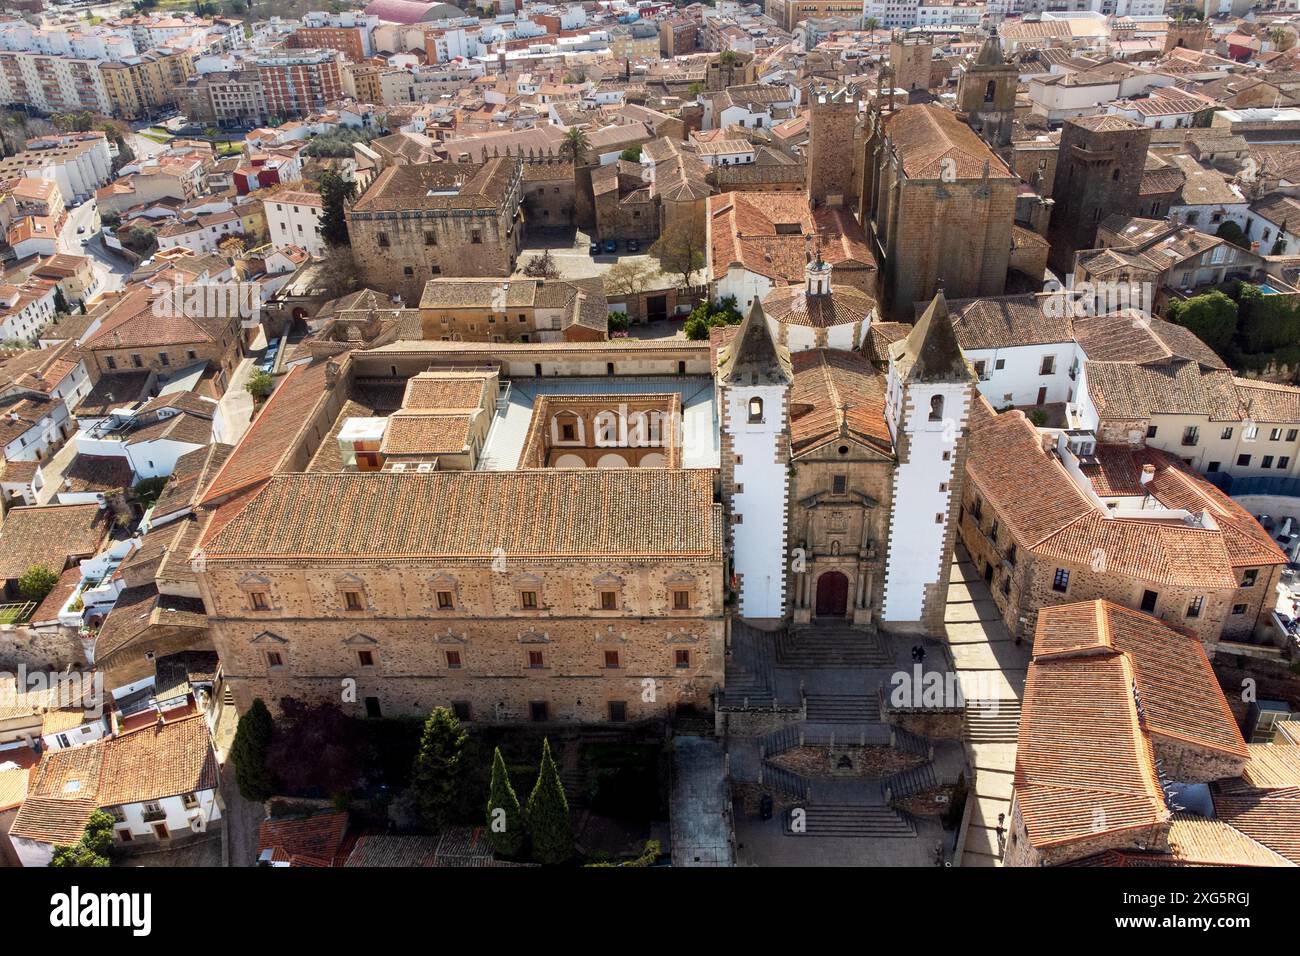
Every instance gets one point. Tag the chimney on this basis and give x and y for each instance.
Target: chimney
(1148, 473)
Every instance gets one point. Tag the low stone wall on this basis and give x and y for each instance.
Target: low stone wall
(45, 648)
(933, 724)
(754, 723)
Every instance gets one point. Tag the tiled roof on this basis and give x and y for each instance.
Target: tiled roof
(135, 322)
(440, 186)
(140, 608)
(160, 760)
(1007, 321)
(770, 234)
(926, 136)
(1130, 336)
(1124, 390)
(273, 433)
(459, 516)
(49, 535)
(192, 472)
(844, 305)
(305, 841)
(1180, 695)
(1082, 758)
(1270, 817)
(836, 393)
(1040, 504)
(427, 433)
(438, 390)
(1201, 841)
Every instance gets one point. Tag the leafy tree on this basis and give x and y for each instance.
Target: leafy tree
(98, 837)
(618, 322)
(542, 267)
(260, 384)
(1233, 234)
(61, 306)
(680, 251)
(341, 274)
(707, 315)
(628, 277)
(249, 752)
(36, 582)
(336, 145)
(316, 750)
(575, 144)
(505, 818)
(336, 192)
(141, 240)
(548, 813)
(147, 490)
(93, 849)
(632, 154)
(77, 856)
(1213, 317)
(437, 771)
(696, 89)
(1265, 322)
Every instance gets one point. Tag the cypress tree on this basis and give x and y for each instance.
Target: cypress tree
(548, 813)
(436, 775)
(248, 752)
(505, 819)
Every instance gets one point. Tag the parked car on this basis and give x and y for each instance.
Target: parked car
(633, 245)
(595, 248)
(611, 246)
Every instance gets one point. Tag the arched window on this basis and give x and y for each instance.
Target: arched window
(936, 408)
(1115, 175)
(755, 410)
(989, 91)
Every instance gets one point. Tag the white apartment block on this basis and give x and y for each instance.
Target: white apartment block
(294, 219)
(52, 83)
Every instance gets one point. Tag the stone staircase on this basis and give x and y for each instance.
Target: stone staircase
(831, 646)
(852, 820)
(984, 725)
(749, 679)
(843, 709)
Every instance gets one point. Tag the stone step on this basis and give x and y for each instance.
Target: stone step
(986, 725)
(829, 648)
(852, 820)
(842, 708)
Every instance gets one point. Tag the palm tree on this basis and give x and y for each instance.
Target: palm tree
(575, 144)
(870, 24)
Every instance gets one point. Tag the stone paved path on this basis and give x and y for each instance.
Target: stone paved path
(991, 666)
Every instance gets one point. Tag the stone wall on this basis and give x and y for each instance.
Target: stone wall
(486, 650)
(44, 648)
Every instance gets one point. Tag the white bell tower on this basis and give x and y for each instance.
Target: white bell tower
(930, 389)
(754, 377)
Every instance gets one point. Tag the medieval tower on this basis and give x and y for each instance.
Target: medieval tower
(1098, 172)
(927, 407)
(754, 379)
(986, 94)
(909, 58)
(832, 123)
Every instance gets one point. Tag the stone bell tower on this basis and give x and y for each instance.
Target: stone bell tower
(754, 378)
(927, 407)
(986, 94)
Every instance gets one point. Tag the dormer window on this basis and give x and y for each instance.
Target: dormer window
(755, 411)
